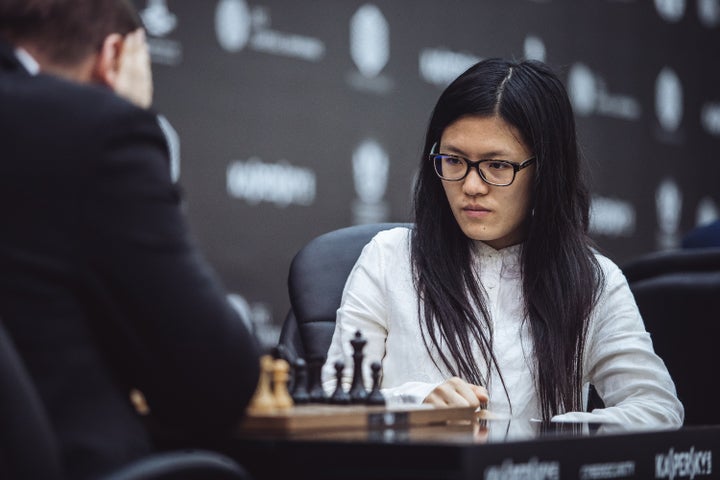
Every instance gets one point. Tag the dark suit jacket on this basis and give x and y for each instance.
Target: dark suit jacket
(101, 286)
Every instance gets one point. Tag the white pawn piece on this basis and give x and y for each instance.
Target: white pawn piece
(281, 369)
(263, 400)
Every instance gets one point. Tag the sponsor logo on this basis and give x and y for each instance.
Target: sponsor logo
(279, 183)
(257, 317)
(668, 204)
(612, 217)
(709, 12)
(532, 470)
(534, 48)
(232, 24)
(238, 26)
(590, 96)
(159, 21)
(369, 49)
(710, 118)
(597, 471)
(440, 66)
(689, 464)
(668, 100)
(707, 212)
(670, 10)
(370, 165)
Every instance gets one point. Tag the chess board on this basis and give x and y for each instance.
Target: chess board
(319, 417)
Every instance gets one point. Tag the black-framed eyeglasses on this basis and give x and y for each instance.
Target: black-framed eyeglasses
(453, 168)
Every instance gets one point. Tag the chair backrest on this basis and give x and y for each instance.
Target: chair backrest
(28, 448)
(672, 261)
(315, 284)
(682, 313)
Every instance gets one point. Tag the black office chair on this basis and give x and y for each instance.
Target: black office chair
(28, 448)
(315, 285)
(672, 261)
(682, 313)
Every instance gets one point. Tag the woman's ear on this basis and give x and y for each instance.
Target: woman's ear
(107, 63)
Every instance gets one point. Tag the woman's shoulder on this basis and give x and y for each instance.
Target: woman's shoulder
(393, 238)
(392, 241)
(610, 270)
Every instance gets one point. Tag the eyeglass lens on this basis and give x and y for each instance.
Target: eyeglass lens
(455, 168)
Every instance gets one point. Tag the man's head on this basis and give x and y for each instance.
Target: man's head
(98, 41)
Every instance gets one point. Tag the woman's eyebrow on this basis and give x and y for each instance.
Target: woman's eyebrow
(460, 152)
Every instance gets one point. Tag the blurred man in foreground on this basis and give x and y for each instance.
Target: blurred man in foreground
(101, 286)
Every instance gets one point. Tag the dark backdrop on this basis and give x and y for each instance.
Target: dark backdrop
(290, 118)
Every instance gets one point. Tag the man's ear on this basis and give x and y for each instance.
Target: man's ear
(107, 63)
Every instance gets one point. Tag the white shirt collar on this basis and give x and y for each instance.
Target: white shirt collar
(27, 61)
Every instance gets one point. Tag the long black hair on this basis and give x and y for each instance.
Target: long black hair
(561, 278)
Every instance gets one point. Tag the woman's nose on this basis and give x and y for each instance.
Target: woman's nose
(473, 184)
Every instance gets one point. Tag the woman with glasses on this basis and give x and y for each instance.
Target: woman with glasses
(497, 297)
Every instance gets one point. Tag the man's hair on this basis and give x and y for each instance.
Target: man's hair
(65, 31)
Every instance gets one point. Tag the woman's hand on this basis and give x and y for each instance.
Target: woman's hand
(456, 392)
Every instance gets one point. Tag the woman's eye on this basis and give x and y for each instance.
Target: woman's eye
(453, 161)
(498, 165)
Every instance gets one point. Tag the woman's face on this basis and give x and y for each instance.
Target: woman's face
(495, 215)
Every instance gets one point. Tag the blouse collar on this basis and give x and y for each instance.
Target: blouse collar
(508, 257)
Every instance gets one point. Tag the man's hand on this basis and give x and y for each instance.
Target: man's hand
(134, 80)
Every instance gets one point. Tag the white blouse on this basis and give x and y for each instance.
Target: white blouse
(381, 302)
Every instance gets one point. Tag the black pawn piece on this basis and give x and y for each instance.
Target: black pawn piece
(339, 396)
(300, 393)
(375, 397)
(358, 394)
(315, 388)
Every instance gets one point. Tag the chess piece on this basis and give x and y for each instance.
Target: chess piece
(358, 394)
(281, 370)
(300, 393)
(263, 399)
(375, 397)
(339, 396)
(315, 388)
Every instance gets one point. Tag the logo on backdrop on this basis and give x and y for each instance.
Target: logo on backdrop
(440, 66)
(612, 217)
(279, 183)
(709, 12)
(670, 10)
(159, 22)
(668, 100)
(707, 212)
(369, 49)
(257, 317)
(710, 118)
(370, 165)
(590, 96)
(534, 48)
(238, 26)
(668, 205)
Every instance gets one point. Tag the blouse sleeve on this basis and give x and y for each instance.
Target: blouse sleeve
(621, 363)
(364, 308)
